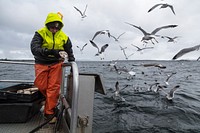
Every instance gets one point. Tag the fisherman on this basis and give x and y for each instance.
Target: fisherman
(50, 47)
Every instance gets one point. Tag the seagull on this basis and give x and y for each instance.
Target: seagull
(159, 87)
(168, 77)
(123, 49)
(171, 39)
(151, 87)
(151, 36)
(83, 15)
(185, 50)
(101, 32)
(130, 72)
(162, 6)
(117, 38)
(116, 95)
(102, 48)
(140, 49)
(187, 77)
(155, 65)
(81, 49)
(112, 64)
(170, 95)
(117, 89)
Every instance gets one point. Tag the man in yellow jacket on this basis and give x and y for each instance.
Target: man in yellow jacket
(50, 45)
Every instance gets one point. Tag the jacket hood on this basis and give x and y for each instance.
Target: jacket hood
(51, 17)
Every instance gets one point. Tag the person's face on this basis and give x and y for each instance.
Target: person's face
(54, 27)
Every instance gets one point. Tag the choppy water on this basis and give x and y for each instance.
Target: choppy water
(143, 111)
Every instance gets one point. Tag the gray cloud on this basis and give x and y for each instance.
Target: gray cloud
(20, 19)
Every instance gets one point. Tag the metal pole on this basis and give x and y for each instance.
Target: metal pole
(73, 123)
(18, 62)
(75, 94)
(17, 81)
(63, 80)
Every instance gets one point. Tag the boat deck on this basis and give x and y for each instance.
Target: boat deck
(76, 104)
(28, 126)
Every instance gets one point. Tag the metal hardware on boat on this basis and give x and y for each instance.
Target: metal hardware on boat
(83, 121)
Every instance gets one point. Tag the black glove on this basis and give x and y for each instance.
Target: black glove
(54, 52)
(71, 58)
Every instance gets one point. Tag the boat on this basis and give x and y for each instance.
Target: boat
(75, 104)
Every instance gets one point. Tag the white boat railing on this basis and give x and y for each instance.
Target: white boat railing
(75, 94)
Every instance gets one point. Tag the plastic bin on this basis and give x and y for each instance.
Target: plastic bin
(19, 112)
(9, 94)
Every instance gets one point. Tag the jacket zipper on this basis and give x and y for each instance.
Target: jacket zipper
(53, 42)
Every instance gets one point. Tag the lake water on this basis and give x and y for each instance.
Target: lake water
(143, 110)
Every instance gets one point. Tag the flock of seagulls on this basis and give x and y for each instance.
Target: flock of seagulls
(157, 87)
(147, 36)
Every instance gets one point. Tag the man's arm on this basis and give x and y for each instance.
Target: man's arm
(68, 49)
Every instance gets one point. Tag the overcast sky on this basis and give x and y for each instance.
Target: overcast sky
(21, 18)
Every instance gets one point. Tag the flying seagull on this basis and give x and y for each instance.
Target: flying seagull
(185, 50)
(152, 85)
(152, 35)
(117, 38)
(101, 32)
(162, 6)
(140, 49)
(170, 95)
(168, 77)
(81, 49)
(117, 95)
(112, 64)
(102, 48)
(83, 15)
(121, 70)
(170, 39)
(123, 49)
